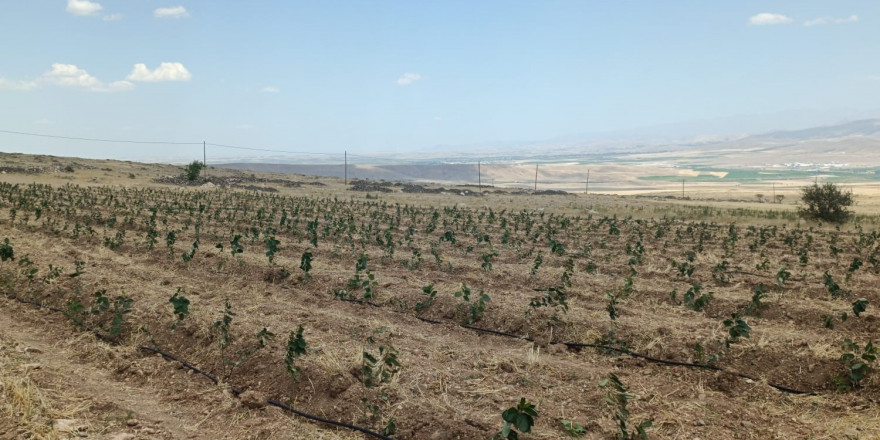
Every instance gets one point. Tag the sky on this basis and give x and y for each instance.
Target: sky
(380, 76)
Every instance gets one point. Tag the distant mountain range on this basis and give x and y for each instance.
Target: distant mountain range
(850, 145)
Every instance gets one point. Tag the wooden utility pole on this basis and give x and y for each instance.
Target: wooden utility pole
(774, 192)
(587, 188)
(345, 173)
(479, 177)
(536, 177)
(205, 158)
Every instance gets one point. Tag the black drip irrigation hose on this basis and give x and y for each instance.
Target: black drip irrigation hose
(643, 356)
(235, 391)
(271, 402)
(601, 347)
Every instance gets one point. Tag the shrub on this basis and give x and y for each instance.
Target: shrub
(825, 202)
(193, 170)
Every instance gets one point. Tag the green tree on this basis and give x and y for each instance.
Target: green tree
(193, 170)
(825, 202)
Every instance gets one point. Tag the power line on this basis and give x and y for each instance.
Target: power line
(97, 140)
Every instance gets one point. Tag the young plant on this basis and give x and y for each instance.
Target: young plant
(271, 247)
(833, 288)
(241, 355)
(415, 260)
(857, 363)
(296, 347)
(380, 368)
(536, 265)
(695, 300)
(377, 369)
(188, 256)
(235, 246)
(755, 306)
(475, 309)
(53, 274)
(554, 298)
(853, 267)
(487, 260)
(572, 429)
(305, 263)
(222, 325)
(782, 275)
(79, 269)
(517, 418)
(859, 306)
(6, 251)
(181, 307)
(737, 328)
(618, 397)
(367, 283)
(431, 292)
(121, 307)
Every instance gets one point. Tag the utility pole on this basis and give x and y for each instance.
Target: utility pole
(346, 168)
(205, 158)
(479, 177)
(536, 177)
(587, 189)
(774, 193)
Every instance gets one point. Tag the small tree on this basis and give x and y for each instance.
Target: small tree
(193, 170)
(825, 202)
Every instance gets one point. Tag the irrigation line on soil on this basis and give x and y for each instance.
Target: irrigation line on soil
(235, 391)
(603, 347)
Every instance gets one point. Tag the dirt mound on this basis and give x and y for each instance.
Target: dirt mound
(247, 182)
(368, 186)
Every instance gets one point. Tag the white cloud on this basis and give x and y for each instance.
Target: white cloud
(831, 20)
(83, 7)
(408, 78)
(171, 12)
(112, 17)
(165, 72)
(766, 18)
(69, 75)
(270, 89)
(6, 84)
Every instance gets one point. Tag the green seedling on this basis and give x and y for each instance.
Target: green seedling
(618, 397)
(305, 263)
(518, 418)
(296, 347)
(6, 251)
(857, 363)
(859, 306)
(181, 307)
(431, 292)
(573, 429)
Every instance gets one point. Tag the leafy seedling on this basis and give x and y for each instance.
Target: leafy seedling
(296, 347)
(181, 307)
(518, 418)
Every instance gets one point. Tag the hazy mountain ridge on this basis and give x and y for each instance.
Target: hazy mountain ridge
(846, 146)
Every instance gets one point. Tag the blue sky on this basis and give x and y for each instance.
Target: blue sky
(379, 76)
